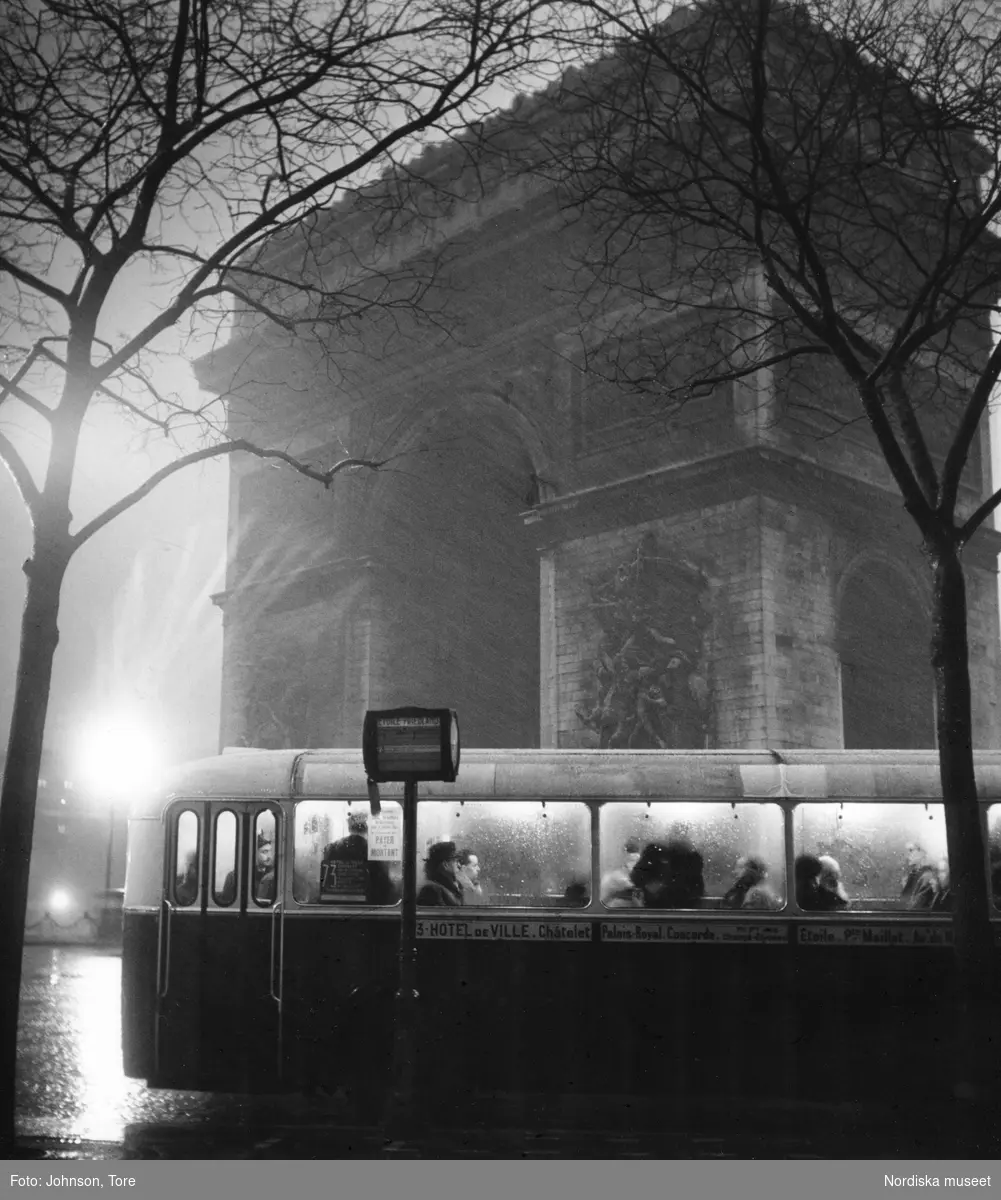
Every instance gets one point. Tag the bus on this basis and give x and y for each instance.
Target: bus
(262, 924)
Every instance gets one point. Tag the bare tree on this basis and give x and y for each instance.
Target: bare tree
(817, 182)
(201, 143)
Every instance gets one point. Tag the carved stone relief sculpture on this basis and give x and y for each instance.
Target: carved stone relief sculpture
(651, 676)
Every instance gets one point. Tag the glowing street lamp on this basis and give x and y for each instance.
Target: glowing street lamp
(119, 757)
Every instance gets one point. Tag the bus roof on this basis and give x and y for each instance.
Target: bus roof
(729, 775)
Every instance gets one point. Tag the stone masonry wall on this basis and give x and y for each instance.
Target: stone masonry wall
(799, 572)
(775, 572)
(723, 540)
(985, 655)
(806, 560)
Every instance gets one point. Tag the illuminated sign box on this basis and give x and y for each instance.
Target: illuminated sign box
(411, 744)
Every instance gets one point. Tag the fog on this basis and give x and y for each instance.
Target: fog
(138, 629)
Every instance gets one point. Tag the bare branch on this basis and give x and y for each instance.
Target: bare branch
(914, 439)
(960, 449)
(18, 469)
(838, 148)
(32, 280)
(12, 386)
(237, 446)
(122, 401)
(976, 519)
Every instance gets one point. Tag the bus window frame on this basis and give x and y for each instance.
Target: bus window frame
(255, 809)
(174, 815)
(206, 810)
(535, 911)
(716, 908)
(213, 859)
(789, 914)
(334, 907)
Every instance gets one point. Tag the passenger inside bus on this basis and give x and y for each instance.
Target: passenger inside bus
(670, 875)
(227, 893)
(887, 854)
(832, 892)
(264, 877)
(617, 887)
(818, 884)
(807, 870)
(522, 854)
(332, 869)
(264, 872)
(468, 875)
(441, 872)
(343, 868)
(750, 889)
(347, 873)
(943, 901)
(921, 885)
(725, 834)
(186, 884)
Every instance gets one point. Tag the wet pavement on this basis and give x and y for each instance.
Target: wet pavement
(73, 1097)
(74, 1102)
(70, 1081)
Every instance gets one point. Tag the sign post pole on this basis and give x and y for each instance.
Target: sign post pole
(401, 1117)
(408, 745)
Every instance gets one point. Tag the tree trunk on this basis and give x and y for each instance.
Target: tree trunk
(39, 636)
(972, 932)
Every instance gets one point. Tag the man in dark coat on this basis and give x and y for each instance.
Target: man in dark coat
(442, 887)
(669, 875)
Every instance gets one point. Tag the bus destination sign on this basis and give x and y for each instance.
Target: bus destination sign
(411, 744)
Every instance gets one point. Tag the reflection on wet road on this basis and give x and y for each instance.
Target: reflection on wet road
(70, 1081)
(71, 1089)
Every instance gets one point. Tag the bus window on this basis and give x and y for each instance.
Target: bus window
(667, 854)
(871, 857)
(186, 849)
(224, 865)
(343, 855)
(265, 860)
(526, 854)
(994, 850)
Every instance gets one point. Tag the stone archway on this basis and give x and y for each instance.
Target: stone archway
(457, 584)
(887, 688)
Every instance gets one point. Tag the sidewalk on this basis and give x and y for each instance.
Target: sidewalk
(195, 1142)
(769, 1130)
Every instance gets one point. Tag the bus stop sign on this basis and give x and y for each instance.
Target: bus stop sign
(411, 745)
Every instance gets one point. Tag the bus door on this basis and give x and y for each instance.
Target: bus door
(219, 969)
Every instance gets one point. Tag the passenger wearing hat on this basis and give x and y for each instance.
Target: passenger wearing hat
(440, 869)
(669, 875)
